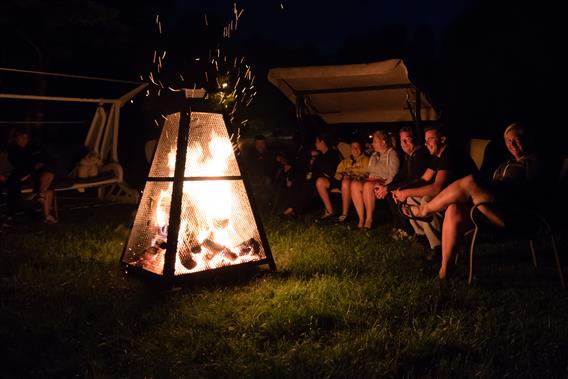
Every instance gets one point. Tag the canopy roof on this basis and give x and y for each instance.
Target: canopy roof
(356, 93)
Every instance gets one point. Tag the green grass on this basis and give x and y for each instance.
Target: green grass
(344, 303)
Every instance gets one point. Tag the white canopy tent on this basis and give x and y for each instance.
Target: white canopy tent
(357, 93)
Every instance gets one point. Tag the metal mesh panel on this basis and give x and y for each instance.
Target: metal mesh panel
(146, 245)
(217, 227)
(209, 152)
(163, 163)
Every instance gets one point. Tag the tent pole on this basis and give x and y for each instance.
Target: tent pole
(300, 118)
(418, 116)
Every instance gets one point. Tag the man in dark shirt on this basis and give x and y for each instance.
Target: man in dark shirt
(446, 165)
(260, 165)
(414, 163)
(260, 162)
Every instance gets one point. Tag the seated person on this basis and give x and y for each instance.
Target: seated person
(509, 187)
(33, 166)
(446, 165)
(383, 166)
(260, 166)
(414, 163)
(348, 170)
(323, 161)
(260, 163)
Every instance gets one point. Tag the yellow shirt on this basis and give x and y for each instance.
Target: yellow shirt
(354, 168)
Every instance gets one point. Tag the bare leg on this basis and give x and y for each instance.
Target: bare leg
(345, 196)
(45, 181)
(357, 197)
(456, 220)
(369, 199)
(322, 185)
(47, 203)
(462, 191)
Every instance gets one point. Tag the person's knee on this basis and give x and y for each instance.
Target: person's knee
(322, 183)
(467, 181)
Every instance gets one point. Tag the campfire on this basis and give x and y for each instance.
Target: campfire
(212, 224)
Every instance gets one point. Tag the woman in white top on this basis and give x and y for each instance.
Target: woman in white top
(383, 166)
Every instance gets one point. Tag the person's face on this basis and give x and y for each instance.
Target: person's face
(434, 142)
(515, 144)
(320, 145)
(356, 150)
(22, 140)
(260, 145)
(379, 145)
(407, 142)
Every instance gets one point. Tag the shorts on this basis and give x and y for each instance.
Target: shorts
(334, 183)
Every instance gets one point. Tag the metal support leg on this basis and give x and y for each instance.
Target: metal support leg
(471, 250)
(531, 245)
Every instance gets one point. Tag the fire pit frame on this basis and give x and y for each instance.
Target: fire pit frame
(168, 275)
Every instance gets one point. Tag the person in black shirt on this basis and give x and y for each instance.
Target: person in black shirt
(414, 163)
(512, 183)
(29, 165)
(446, 165)
(323, 162)
(261, 166)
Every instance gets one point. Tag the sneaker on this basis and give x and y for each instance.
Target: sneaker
(50, 220)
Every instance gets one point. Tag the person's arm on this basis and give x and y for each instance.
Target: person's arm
(429, 177)
(393, 166)
(340, 171)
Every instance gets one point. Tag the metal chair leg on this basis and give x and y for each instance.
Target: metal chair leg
(556, 259)
(471, 250)
(531, 245)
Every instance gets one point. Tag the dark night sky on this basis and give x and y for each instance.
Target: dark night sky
(327, 23)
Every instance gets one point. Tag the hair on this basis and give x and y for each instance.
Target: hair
(16, 132)
(409, 130)
(437, 128)
(359, 142)
(384, 136)
(325, 138)
(515, 127)
(260, 137)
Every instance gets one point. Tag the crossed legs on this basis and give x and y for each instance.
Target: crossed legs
(464, 190)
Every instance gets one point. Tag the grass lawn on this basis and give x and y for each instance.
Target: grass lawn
(344, 303)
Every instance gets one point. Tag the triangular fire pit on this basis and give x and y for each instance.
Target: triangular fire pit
(196, 213)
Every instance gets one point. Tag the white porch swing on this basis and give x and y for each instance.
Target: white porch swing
(102, 138)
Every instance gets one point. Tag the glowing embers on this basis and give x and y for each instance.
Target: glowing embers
(216, 225)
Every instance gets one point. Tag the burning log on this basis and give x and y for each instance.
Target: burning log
(187, 260)
(212, 246)
(226, 253)
(250, 247)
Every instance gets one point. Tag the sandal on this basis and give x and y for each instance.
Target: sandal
(342, 218)
(326, 215)
(406, 210)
